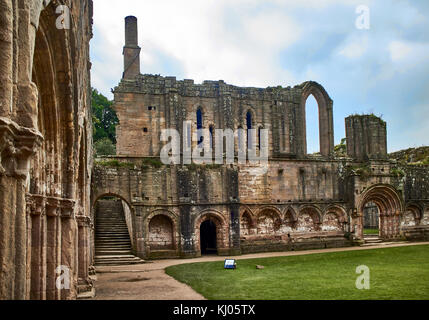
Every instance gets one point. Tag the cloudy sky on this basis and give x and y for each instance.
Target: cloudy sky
(382, 70)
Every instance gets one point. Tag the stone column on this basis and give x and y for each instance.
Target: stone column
(235, 228)
(53, 257)
(38, 250)
(84, 282)
(68, 248)
(17, 145)
(6, 57)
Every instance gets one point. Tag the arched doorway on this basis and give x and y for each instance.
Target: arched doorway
(389, 206)
(208, 237)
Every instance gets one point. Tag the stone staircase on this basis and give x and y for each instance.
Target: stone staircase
(372, 240)
(112, 240)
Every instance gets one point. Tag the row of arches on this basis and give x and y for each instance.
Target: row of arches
(310, 218)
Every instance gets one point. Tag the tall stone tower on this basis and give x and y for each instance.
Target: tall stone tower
(366, 137)
(131, 49)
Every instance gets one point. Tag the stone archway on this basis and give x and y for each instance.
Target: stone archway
(161, 233)
(326, 127)
(217, 223)
(309, 219)
(390, 208)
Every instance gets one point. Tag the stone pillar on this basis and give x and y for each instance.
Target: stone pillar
(17, 145)
(84, 282)
(235, 228)
(187, 232)
(6, 57)
(68, 249)
(53, 257)
(38, 248)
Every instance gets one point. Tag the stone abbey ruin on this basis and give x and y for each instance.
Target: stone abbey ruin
(60, 208)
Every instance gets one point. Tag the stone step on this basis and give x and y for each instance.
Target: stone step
(125, 248)
(112, 240)
(114, 252)
(115, 247)
(113, 237)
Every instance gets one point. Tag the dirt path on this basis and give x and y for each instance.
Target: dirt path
(149, 281)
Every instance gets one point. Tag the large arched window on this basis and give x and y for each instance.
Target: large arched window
(317, 120)
(312, 125)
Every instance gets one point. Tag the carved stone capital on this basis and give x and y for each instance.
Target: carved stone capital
(51, 206)
(17, 145)
(83, 221)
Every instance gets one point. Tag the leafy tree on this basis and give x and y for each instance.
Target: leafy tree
(104, 147)
(103, 117)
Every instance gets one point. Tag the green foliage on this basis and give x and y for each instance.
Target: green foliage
(115, 164)
(397, 172)
(340, 150)
(104, 147)
(151, 162)
(103, 117)
(396, 273)
(362, 171)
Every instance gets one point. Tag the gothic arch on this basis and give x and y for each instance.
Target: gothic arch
(309, 218)
(290, 211)
(334, 218)
(269, 220)
(326, 122)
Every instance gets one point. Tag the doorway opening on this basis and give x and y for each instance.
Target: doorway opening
(208, 237)
(371, 219)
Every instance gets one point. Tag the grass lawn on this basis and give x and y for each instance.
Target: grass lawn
(395, 273)
(371, 231)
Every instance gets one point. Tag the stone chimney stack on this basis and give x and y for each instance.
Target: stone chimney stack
(131, 49)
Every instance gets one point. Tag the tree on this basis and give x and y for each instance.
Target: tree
(104, 147)
(103, 117)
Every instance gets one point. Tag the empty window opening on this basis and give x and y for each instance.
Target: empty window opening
(312, 125)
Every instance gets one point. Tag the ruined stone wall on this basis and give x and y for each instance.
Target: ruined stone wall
(45, 129)
(187, 196)
(148, 104)
(366, 137)
(301, 201)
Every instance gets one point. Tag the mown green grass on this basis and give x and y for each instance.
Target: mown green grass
(395, 273)
(371, 231)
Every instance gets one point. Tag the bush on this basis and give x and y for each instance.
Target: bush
(104, 147)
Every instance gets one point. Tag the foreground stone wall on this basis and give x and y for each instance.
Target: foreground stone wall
(45, 133)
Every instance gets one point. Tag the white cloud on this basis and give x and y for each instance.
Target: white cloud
(355, 48)
(399, 50)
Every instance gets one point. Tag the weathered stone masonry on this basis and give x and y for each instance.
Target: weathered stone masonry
(45, 158)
